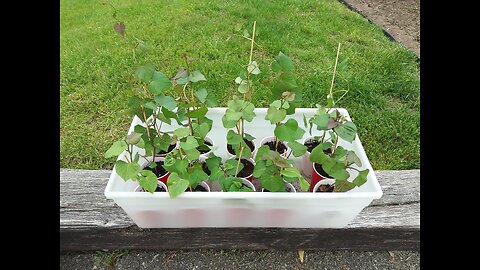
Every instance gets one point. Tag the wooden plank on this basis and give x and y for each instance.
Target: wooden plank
(241, 238)
(89, 221)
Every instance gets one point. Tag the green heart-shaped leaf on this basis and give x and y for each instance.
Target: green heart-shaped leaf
(176, 185)
(197, 113)
(201, 94)
(116, 149)
(145, 73)
(343, 185)
(289, 131)
(346, 131)
(275, 115)
(189, 144)
(361, 178)
(159, 83)
(166, 101)
(298, 149)
(127, 170)
(196, 76)
(148, 180)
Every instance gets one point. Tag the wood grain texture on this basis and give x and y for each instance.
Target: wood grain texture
(89, 221)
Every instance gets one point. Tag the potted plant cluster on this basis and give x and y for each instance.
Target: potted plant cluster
(184, 159)
(325, 159)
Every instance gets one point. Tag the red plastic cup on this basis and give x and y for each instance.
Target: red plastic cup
(316, 176)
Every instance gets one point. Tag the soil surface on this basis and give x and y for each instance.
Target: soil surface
(325, 188)
(311, 144)
(198, 188)
(159, 170)
(247, 168)
(399, 18)
(281, 148)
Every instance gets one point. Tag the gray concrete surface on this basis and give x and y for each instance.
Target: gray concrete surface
(241, 259)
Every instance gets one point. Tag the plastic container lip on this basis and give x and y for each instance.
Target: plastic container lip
(376, 192)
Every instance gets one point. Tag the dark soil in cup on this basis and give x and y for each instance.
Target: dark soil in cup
(311, 144)
(159, 170)
(249, 144)
(288, 189)
(247, 168)
(170, 148)
(198, 188)
(281, 148)
(204, 149)
(325, 188)
(320, 170)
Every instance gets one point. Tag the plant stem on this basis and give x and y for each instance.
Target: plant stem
(243, 127)
(130, 152)
(190, 124)
(334, 71)
(336, 141)
(239, 159)
(148, 130)
(181, 154)
(323, 136)
(238, 128)
(144, 157)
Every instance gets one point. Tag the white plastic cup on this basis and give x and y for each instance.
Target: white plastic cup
(306, 163)
(325, 181)
(248, 183)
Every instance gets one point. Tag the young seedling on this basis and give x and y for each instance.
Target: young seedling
(226, 174)
(240, 110)
(130, 169)
(147, 103)
(333, 159)
(183, 163)
(286, 95)
(274, 171)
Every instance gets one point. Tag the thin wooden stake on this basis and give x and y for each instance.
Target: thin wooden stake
(239, 159)
(334, 71)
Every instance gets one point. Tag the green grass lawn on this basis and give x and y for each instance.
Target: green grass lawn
(96, 64)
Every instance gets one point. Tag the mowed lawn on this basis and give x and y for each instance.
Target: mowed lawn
(96, 65)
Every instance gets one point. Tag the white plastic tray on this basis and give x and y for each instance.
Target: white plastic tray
(246, 209)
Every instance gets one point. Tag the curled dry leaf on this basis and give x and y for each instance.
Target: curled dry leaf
(119, 28)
